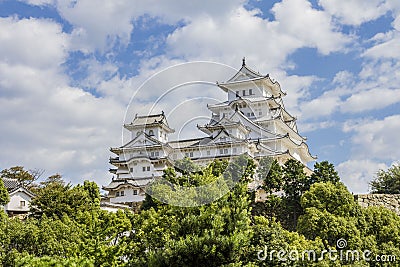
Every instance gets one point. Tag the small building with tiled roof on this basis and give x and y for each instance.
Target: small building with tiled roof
(20, 198)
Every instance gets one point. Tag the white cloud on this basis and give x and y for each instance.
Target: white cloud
(98, 25)
(371, 100)
(45, 122)
(267, 43)
(34, 42)
(312, 27)
(357, 173)
(344, 78)
(387, 49)
(321, 106)
(375, 138)
(355, 12)
(38, 2)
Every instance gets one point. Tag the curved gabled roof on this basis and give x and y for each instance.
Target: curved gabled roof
(149, 120)
(245, 74)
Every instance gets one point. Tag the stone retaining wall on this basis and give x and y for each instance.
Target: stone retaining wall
(391, 202)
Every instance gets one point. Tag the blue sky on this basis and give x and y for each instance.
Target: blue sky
(68, 70)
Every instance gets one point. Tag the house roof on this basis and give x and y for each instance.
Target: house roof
(21, 189)
(10, 184)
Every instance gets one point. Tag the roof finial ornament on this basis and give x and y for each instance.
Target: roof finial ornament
(243, 61)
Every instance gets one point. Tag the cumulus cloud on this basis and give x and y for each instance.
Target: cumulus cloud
(34, 42)
(369, 100)
(358, 173)
(313, 28)
(375, 137)
(355, 12)
(44, 119)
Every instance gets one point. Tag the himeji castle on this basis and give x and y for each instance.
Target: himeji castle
(253, 121)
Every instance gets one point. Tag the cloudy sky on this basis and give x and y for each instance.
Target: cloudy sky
(68, 70)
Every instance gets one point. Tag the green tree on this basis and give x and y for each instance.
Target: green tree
(295, 183)
(23, 176)
(270, 172)
(387, 182)
(330, 213)
(55, 198)
(324, 172)
(4, 197)
(214, 234)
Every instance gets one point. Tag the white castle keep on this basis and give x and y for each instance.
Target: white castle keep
(252, 121)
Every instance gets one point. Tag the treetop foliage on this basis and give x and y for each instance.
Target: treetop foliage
(303, 213)
(387, 182)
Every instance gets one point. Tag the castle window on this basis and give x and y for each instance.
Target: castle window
(144, 169)
(131, 169)
(151, 133)
(208, 152)
(237, 93)
(135, 192)
(234, 150)
(244, 92)
(22, 203)
(251, 92)
(117, 194)
(148, 168)
(122, 193)
(260, 113)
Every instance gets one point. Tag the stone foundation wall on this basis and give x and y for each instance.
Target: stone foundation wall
(391, 202)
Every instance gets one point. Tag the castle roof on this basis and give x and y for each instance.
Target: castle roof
(148, 121)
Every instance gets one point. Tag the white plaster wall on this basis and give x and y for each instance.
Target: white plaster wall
(15, 202)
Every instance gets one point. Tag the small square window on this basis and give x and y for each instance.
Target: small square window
(260, 113)
(237, 93)
(251, 92)
(144, 169)
(221, 151)
(131, 169)
(208, 152)
(191, 154)
(244, 92)
(117, 194)
(234, 150)
(225, 151)
(22, 203)
(122, 193)
(135, 192)
(148, 168)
